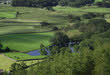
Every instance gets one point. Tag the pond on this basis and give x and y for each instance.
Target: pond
(37, 52)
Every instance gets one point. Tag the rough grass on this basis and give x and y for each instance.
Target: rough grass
(22, 56)
(26, 42)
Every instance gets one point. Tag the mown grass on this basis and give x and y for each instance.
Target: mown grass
(23, 56)
(7, 14)
(26, 42)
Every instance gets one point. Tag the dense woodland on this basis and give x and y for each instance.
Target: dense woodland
(91, 54)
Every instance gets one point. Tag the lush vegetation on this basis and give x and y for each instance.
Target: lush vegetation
(71, 40)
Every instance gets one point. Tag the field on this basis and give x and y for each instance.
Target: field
(24, 33)
(22, 56)
(26, 42)
(7, 14)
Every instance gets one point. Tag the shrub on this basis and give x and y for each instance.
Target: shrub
(100, 4)
(73, 18)
(44, 23)
(55, 28)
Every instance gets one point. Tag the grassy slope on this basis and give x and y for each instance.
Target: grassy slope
(5, 64)
(26, 42)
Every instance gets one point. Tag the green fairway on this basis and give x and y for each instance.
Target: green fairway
(22, 56)
(7, 14)
(5, 62)
(26, 42)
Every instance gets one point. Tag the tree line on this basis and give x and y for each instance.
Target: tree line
(50, 3)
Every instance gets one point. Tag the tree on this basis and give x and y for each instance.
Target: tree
(35, 3)
(54, 50)
(60, 39)
(43, 50)
(75, 3)
(95, 26)
(7, 49)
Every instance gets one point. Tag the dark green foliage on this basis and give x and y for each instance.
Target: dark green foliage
(55, 28)
(104, 3)
(100, 4)
(75, 3)
(35, 3)
(1, 46)
(73, 18)
(92, 15)
(43, 50)
(7, 49)
(54, 50)
(95, 26)
(17, 66)
(44, 23)
(60, 39)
